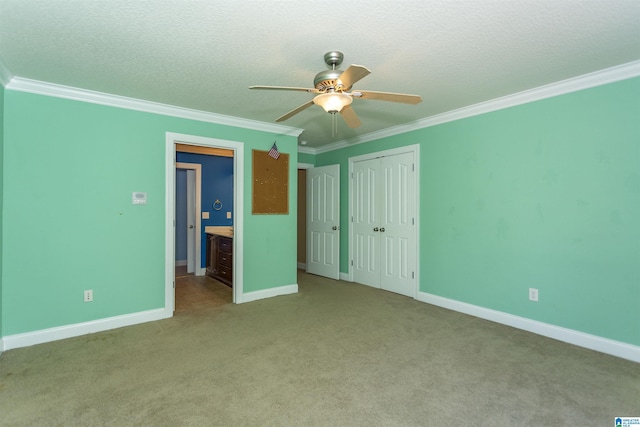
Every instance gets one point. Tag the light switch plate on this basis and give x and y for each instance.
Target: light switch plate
(205, 215)
(228, 215)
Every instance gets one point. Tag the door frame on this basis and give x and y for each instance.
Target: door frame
(415, 149)
(197, 168)
(304, 166)
(171, 139)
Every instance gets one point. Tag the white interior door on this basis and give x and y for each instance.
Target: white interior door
(191, 220)
(366, 223)
(397, 225)
(323, 221)
(384, 230)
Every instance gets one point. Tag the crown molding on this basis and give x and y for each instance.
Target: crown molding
(307, 150)
(586, 81)
(5, 74)
(59, 91)
(574, 84)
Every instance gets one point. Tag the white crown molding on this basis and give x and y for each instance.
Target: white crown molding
(306, 150)
(83, 95)
(574, 84)
(586, 81)
(5, 74)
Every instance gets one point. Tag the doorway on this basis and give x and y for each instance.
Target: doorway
(170, 205)
(384, 220)
(193, 289)
(302, 218)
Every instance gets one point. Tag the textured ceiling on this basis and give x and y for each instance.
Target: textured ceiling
(203, 55)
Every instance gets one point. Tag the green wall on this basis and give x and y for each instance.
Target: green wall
(543, 195)
(70, 168)
(306, 158)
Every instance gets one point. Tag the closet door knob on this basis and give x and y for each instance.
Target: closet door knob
(382, 229)
(376, 229)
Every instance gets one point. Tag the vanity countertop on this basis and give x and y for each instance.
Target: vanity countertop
(226, 231)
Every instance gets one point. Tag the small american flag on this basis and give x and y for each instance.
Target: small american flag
(274, 151)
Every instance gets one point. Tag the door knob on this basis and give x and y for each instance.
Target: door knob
(335, 227)
(191, 226)
(382, 229)
(376, 229)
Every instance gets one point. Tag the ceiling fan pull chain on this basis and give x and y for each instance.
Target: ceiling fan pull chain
(333, 125)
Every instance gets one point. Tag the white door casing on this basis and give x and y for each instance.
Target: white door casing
(383, 227)
(171, 139)
(323, 221)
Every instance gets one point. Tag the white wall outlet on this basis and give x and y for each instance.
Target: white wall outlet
(533, 294)
(88, 295)
(205, 215)
(228, 215)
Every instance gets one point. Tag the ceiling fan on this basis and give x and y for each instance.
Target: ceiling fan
(332, 91)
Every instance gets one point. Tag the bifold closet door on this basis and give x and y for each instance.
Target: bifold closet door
(384, 223)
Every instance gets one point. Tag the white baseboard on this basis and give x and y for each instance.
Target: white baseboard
(268, 293)
(592, 342)
(346, 277)
(181, 262)
(302, 266)
(68, 331)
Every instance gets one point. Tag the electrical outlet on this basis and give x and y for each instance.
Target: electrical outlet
(88, 295)
(533, 294)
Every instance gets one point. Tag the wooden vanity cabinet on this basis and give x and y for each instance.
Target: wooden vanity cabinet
(220, 258)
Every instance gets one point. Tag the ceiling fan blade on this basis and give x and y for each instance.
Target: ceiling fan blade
(350, 117)
(352, 75)
(300, 89)
(387, 96)
(295, 111)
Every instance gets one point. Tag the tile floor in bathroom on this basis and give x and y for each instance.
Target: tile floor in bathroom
(199, 292)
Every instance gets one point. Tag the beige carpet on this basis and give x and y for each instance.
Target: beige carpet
(335, 354)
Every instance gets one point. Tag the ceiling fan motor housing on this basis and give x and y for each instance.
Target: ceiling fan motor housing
(328, 79)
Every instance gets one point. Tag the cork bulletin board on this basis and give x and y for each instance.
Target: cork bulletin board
(270, 193)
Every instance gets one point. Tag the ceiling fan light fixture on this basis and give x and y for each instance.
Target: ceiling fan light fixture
(332, 102)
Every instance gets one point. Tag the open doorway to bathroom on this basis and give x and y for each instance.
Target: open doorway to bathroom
(195, 289)
(204, 205)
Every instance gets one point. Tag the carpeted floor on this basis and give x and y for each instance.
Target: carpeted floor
(335, 354)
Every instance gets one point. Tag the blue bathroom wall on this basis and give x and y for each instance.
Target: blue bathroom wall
(217, 184)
